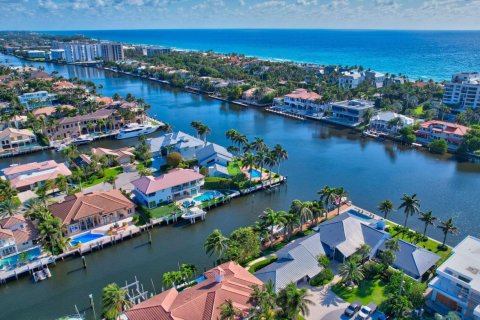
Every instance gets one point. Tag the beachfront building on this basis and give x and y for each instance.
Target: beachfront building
(375, 79)
(179, 142)
(174, 185)
(34, 174)
(80, 52)
(350, 112)
(350, 79)
(32, 100)
(463, 90)
(226, 282)
(296, 262)
(12, 138)
(457, 284)
(433, 130)
(390, 122)
(80, 212)
(303, 99)
(17, 234)
(112, 51)
(151, 51)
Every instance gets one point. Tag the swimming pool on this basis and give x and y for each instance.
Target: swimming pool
(360, 215)
(255, 174)
(84, 238)
(208, 195)
(13, 260)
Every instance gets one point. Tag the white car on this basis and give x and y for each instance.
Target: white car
(366, 311)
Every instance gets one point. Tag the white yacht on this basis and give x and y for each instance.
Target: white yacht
(83, 139)
(134, 130)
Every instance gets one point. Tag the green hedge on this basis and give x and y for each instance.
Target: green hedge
(324, 277)
(262, 264)
(215, 183)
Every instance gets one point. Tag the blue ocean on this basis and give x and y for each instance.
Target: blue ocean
(418, 54)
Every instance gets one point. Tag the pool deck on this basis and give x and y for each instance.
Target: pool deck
(27, 268)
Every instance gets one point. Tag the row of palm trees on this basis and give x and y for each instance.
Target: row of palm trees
(201, 129)
(185, 274)
(411, 207)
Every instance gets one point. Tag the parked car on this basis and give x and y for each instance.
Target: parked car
(366, 311)
(352, 309)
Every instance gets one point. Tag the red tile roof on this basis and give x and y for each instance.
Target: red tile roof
(304, 94)
(12, 221)
(35, 172)
(173, 178)
(448, 127)
(80, 205)
(204, 299)
(5, 234)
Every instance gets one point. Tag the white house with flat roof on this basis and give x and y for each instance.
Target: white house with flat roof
(390, 122)
(350, 79)
(457, 284)
(350, 112)
(174, 185)
(33, 100)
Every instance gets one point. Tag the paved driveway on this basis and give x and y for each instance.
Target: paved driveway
(328, 306)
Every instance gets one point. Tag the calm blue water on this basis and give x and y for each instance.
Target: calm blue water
(418, 54)
(84, 238)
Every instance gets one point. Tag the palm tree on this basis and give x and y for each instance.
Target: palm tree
(8, 207)
(327, 196)
(302, 210)
(231, 134)
(216, 243)
(248, 162)
(392, 244)
(203, 131)
(291, 222)
(144, 172)
(410, 205)
(271, 219)
(111, 180)
(61, 182)
(339, 194)
(264, 297)
(259, 144)
(166, 127)
(188, 271)
(364, 251)
(428, 219)
(294, 301)
(281, 155)
(114, 301)
(385, 207)
(447, 227)
(90, 127)
(196, 125)
(228, 310)
(351, 271)
(241, 140)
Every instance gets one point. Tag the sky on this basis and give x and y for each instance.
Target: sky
(195, 14)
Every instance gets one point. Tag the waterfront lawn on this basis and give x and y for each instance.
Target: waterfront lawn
(110, 172)
(163, 211)
(233, 168)
(366, 292)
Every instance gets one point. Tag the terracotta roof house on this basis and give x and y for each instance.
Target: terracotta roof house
(63, 85)
(81, 212)
(17, 234)
(202, 301)
(105, 101)
(122, 155)
(44, 112)
(435, 130)
(12, 138)
(31, 175)
(304, 100)
(174, 185)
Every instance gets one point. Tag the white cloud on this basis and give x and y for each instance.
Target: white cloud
(48, 4)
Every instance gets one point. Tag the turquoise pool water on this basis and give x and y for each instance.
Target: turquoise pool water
(360, 215)
(84, 238)
(255, 174)
(13, 260)
(208, 195)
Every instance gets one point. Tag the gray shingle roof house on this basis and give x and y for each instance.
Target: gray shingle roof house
(412, 260)
(179, 141)
(344, 234)
(212, 154)
(295, 261)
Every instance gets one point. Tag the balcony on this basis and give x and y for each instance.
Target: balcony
(449, 288)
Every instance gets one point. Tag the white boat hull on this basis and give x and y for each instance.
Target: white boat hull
(143, 131)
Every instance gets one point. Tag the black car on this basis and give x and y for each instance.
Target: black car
(353, 308)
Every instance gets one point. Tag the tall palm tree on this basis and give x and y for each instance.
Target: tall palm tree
(327, 196)
(364, 251)
(392, 244)
(294, 301)
(196, 125)
(228, 311)
(385, 207)
(271, 218)
(248, 162)
(410, 205)
(241, 140)
(302, 210)
(447, 227)
(351, 272)
(114, 301)
(258, 144)
(216, 243)
(188, 271)
(291, 222)
(61, 183)
(203, 131)
(231, 134)
(428, 219)
(8, 207)
(263, 297)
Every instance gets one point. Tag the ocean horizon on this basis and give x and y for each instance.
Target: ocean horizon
(419, 54)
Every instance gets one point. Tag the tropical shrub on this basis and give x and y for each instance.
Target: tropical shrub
(324, 277)
(438, 146)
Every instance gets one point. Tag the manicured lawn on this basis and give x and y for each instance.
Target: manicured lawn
(234, 168)
(368, 291)
(163, 211)
(110, 172)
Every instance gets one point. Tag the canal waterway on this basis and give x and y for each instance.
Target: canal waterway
(319, 154)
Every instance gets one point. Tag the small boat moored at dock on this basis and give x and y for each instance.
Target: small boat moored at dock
(41, 275)
(83, 139)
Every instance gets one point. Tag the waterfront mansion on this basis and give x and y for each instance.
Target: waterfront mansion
(174, 185)
(80, 212)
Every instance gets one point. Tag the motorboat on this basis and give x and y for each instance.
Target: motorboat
(132, 130)
(83, 139)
